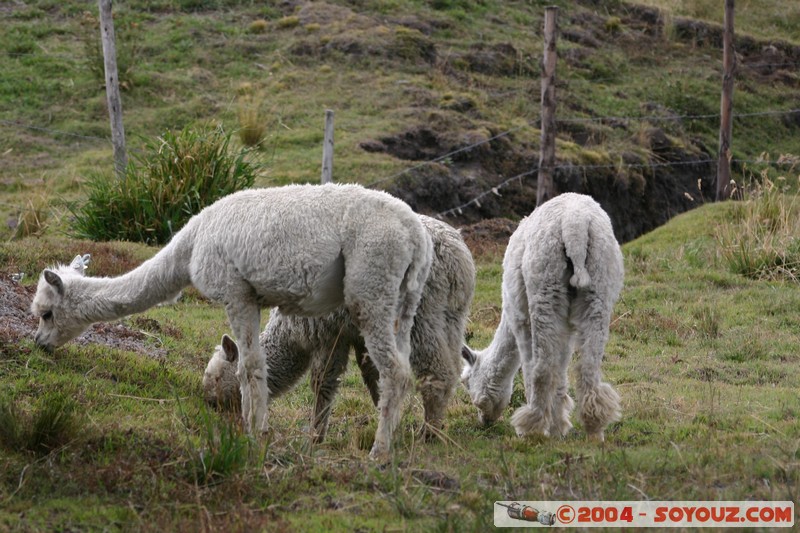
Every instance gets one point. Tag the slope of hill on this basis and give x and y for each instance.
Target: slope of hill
(410, 81)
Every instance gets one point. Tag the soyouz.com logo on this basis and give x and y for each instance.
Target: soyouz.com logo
(644, 514)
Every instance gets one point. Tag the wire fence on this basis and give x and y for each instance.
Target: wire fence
(667, 116)
(495, 189)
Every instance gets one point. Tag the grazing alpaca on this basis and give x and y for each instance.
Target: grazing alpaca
(562, 274)
(305, 249)
(294, 343)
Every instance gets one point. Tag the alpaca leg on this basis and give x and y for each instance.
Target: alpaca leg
(245, 321)
(395, 377)
(563, 404)
(395, 381)
(436, 392)
(369, 373)
(326, 368)
(383, 309)
(542, 360)
(598, 401)
(442, 365)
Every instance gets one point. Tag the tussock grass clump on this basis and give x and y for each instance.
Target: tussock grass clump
(50, 425)
(258, 26)
(32, 220)
(223, 450)
(288, 22)
(177, 176)
(253, 121)
(763, 239)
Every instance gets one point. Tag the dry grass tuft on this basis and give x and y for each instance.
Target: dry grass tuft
(763, 240)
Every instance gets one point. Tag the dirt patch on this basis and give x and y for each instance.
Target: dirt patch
(488, 237)
(638, 198)
(17, 323)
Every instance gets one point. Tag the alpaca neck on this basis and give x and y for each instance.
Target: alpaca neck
(288, 358)
(154, 281)
(500, 360)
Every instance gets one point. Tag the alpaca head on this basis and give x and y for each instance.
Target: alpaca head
(58, 309)
(490, 400)
(220, 384)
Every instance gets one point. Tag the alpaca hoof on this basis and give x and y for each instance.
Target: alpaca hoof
(561, 430)
(598, 437)
(530, 421)
(379, 454)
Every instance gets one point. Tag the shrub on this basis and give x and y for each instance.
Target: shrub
(175, 177)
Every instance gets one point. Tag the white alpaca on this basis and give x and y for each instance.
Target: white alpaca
(305, 249)
(293, 344)
(562, 274)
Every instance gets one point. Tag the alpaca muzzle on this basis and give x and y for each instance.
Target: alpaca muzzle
(49, 348)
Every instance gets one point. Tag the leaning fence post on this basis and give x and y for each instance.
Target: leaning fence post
(112, 88)
(544, 187)
(726, 107)
(327, 148)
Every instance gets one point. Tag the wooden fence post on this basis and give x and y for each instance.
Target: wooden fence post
(327, 149)
(112, 88)
(726, 107)
(545, 188)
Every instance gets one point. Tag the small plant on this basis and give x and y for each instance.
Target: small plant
(11, 425)
(175, 177)
(708, 322)
(258, 26)
(223, 451)
(51, 424)
(128, 42)
(288, 22)
(762, 242)
(613, 25)
(252, 120)
(32, 220)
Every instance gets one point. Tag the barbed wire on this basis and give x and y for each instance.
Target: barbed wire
(650, 118)
(11, 123)
(49, 55)
(759, 65)
(447, 155)
(476, 201)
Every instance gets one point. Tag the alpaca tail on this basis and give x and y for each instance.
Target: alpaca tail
(421, 258)
(575, 234)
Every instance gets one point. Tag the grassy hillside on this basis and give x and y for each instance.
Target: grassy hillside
(110, 432)
(464, 70)
(705, 360)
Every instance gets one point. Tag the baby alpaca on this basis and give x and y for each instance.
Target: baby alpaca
(294, 343)
(303, 248)
(562, 274)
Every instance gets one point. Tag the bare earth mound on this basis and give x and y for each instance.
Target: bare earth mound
(17, 323)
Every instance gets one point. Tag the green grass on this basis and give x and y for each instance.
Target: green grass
(705, 361)
(705, 358)
(187, 61)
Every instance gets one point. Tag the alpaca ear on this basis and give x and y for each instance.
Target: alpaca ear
(53, 279)
(80, 263)
(468, 355)
(230, 349)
